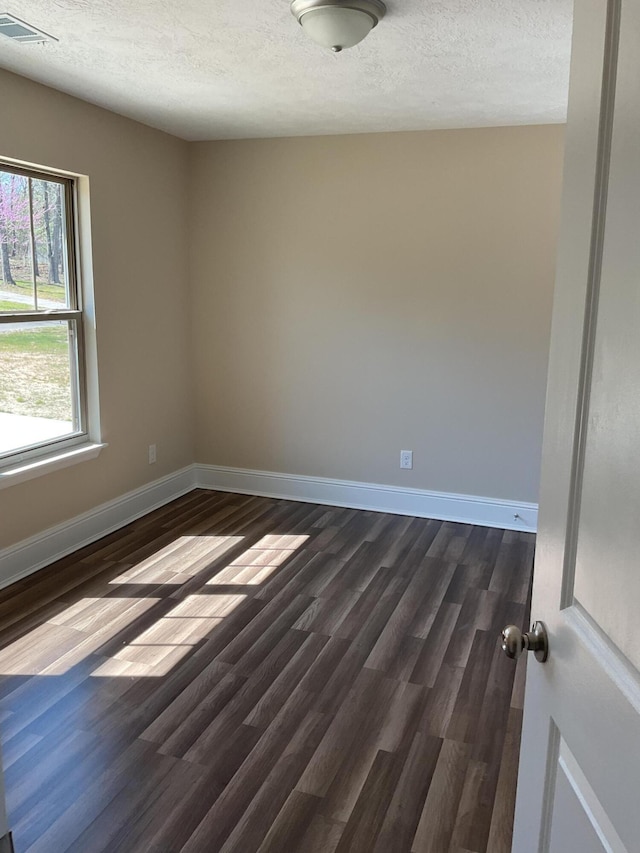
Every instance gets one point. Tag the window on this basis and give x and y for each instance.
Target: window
(43, 405)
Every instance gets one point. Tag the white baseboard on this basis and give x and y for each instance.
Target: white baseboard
(467, 509)
(31, 554)
(44, 548)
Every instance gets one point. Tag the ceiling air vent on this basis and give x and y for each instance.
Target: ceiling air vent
(17, 30)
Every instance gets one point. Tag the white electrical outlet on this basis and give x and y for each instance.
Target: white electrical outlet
(406, 458)
(152, 454)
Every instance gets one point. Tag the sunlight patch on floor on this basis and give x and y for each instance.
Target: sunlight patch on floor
(206, 606)
(257, 563)
(90, 626)
(190, 554)
(112, 668)
(175, 634)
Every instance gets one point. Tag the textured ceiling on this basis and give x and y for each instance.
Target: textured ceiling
(216, 69)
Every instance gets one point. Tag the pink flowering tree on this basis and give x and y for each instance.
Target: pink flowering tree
(22, 207)
(14, 221)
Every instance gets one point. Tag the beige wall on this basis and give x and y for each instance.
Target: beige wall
(138, 206)
(355, 296)
(350, 297)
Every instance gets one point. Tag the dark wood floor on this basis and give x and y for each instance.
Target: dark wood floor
(233, 673)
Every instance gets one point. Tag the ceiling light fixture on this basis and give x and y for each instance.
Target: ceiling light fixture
(338, 24)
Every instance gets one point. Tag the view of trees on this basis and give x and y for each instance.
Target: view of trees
(35, 357)
(31, 211)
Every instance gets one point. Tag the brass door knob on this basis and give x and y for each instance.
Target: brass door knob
(514, 642)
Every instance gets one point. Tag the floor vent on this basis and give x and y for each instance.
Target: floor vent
(17, 30)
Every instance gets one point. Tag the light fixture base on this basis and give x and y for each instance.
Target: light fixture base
(375, 8)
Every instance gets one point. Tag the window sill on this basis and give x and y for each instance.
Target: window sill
(46, 464)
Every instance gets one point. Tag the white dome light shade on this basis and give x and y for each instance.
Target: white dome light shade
(336, 28)
(338, 24)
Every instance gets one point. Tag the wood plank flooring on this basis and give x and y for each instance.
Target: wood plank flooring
(233, 673)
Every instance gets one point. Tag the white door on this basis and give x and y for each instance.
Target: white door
(4, 827)
(579, 780)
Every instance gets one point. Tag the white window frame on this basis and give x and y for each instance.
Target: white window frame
(84, 443)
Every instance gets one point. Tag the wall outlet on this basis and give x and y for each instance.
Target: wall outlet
(152, 454)
(406, 458)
